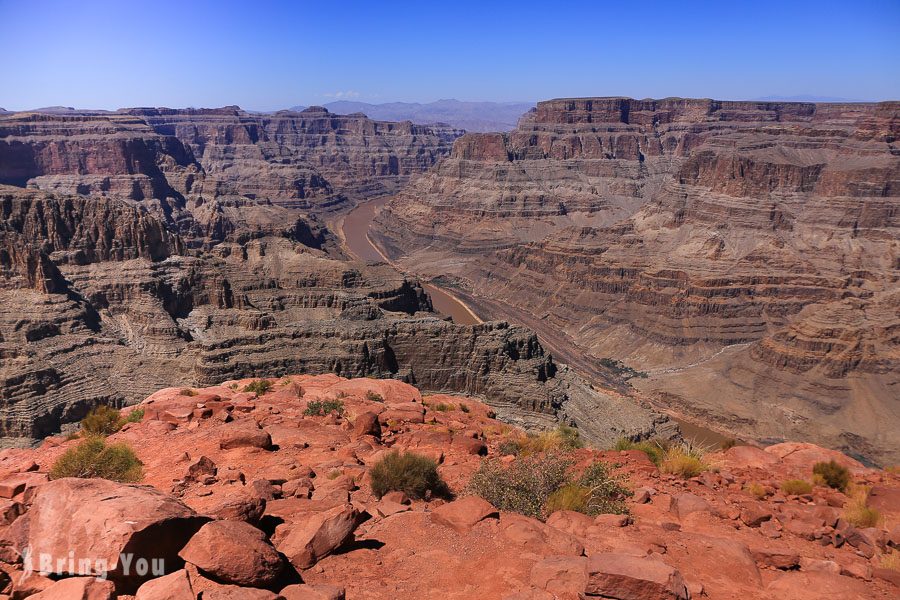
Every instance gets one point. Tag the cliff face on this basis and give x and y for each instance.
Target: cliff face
(743, 253)
(311, 159)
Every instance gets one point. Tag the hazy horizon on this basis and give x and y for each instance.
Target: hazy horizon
(273, 55)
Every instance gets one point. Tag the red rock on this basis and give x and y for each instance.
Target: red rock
(534, 536)
(571, 522)
(560, 574)
(11, 487)
(241, 434)
(776, 558)
(386, 508)
(468, 445)
(78, 588)
(890, 575)
(631, 578)
(462, 514)
(174, 586)
(884, 498)
(799, 585)
(234, 592)
(237, 506)
(10, 511)
(233, 552)
(367, 424)
(612, 520)
(200, 468)
(753, 514)
(819, 566)
(313, 592)
(802, 456)
(687, 503)
(306, 542)
(110, 518)
(749, 457)
(395, 496)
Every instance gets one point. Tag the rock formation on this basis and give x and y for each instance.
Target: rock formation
(310, 525)
(743, 254)
(149, 247)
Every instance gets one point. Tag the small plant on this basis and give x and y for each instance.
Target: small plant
(258, 387)
(94, 458)
(757, 490)
(443, 407)
(233, 386)
(654, 449)
(465, 408)
(320, 408)
(135, 416)
(683, 460)
(103, 420)
(341, 395)
(728, 444)
(890, 561)
(856, 512)
(525, 486)
(607, 493)
(509, 447)
(571, 496)
(188, 392)
(413, 474)
(834, 475)
(796, 487)
(374, 397)
(334, 474)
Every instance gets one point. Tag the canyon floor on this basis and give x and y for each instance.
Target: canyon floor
(245, 495)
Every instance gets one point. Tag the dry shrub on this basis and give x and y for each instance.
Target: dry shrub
(684, 460)
(856, 512)
(94, 458)
(654, 449)
(103, 420)
(796, 487)
(413, 474)
(373, 396)
(757, 490)
(258, 387)
(833, 474)
(188, 392)
(320, 408)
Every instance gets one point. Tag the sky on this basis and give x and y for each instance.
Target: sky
(266, 55)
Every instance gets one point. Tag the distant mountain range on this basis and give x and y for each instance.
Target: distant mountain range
(471, 116)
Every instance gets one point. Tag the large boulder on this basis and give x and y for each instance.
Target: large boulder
(625, 577)
(234, 552)
(245, 433)
(108, 528)
(78, 588)
(817, 585)
(305, 542)
(174, 586)
(462, 514)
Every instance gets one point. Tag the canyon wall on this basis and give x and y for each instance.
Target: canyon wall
(151, 247)
(743, 254)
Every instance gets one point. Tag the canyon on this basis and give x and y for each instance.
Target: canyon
(155, 247)
(740, 257)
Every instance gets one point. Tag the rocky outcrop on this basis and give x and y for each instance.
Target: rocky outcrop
(341, 540)
(743, 254)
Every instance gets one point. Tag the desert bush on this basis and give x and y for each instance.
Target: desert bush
(524, 486)
(606, 493)
(890, 561)
(856, 512)
(561, 439)
(465, 408)
(683, 460)
(188, 392)
(135, 416)
(103, 420)
(796, 487)
(374, 397)
(833, 474)
(509, 447)
(320, 408)
(94, 458)
(756, 489)
(571, 496)
(258, 387)
(413, 474)
(443, 407)
(654, 449)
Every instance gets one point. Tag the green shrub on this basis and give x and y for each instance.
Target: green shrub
(524, 486)
(94, 458)
(134, 416)
(833, 474)
(465, 408)
(654, 449)
(320, 408)
(606, 492)
(413, 474)
(258, 387)
(796, 487)
(374, 397)
(103, 420)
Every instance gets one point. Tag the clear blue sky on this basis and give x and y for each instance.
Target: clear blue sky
(266, 55)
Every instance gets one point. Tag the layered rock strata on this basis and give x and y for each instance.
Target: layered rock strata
(743, 254)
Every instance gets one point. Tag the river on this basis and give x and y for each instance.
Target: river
(355, 231)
